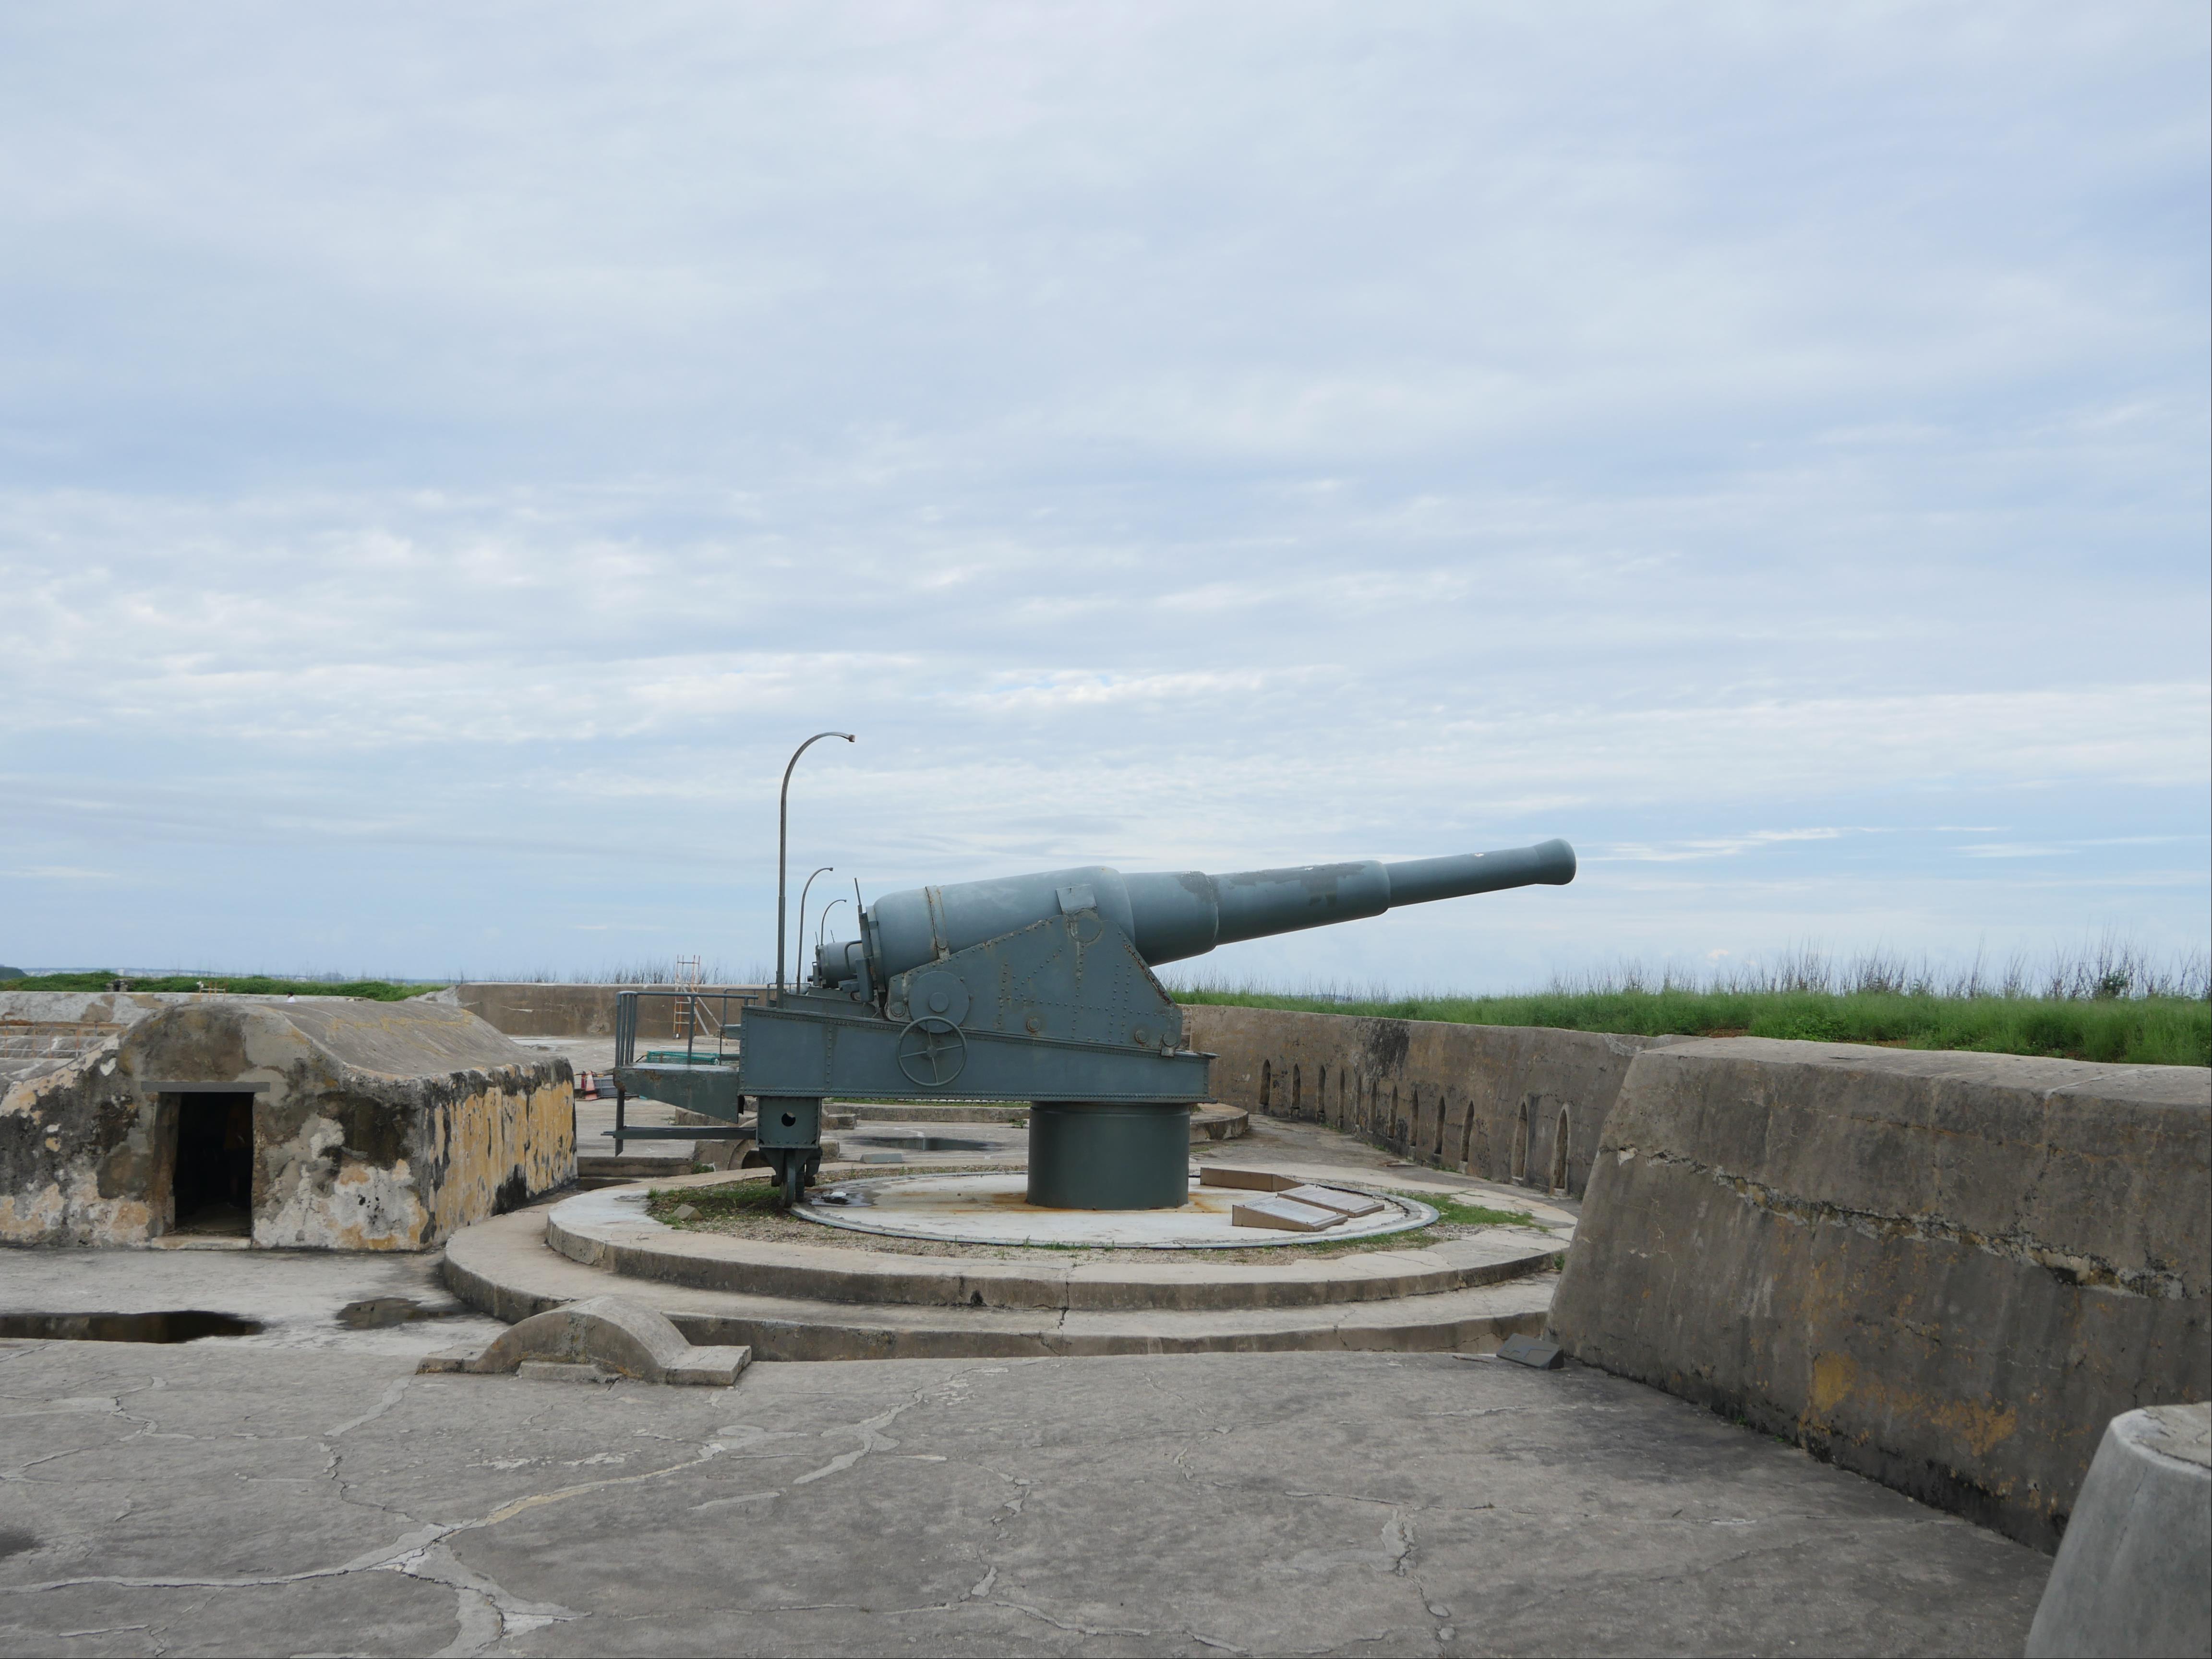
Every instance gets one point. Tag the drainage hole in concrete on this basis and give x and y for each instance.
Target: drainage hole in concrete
(175, 1325)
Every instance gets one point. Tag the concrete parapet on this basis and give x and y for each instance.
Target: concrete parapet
(521, 1009)
(1506, 1103)
(1946, 1271)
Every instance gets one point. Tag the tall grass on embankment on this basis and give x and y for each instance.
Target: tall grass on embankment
(2109, 1004)
(244, 985)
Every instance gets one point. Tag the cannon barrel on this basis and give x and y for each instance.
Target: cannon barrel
(1170, 917)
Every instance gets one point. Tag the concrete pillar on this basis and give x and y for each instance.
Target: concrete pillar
(2134, 1572)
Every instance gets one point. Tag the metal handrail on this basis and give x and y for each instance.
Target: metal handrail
(695, 1002)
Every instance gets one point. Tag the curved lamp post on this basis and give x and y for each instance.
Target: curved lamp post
(799, 963)
(822, 928)
(783, 840)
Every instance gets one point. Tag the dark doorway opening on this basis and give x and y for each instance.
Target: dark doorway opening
(214, 1164)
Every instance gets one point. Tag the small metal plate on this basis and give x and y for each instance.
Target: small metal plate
(1530, 1352)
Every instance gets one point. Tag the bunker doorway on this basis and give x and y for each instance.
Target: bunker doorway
(213, 1185)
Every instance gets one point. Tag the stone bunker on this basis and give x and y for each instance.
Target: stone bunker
(315, 1123)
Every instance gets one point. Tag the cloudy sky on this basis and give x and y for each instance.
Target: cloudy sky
(449, 455)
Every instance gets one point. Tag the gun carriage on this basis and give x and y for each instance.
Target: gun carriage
(1037, 988)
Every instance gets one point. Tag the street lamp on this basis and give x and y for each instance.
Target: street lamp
(783, 840)
(798, 963)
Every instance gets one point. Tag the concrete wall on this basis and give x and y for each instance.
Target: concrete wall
(1945, 1270)
(1506, 1103)
(574, 1011)
(375, 1126)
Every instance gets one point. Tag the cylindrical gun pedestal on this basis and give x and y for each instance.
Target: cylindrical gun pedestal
(1087, 1156)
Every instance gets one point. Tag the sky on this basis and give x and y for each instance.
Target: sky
(450, 454)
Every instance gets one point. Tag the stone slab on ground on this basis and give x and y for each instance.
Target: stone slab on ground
(211, 1499)
(1314, 1151)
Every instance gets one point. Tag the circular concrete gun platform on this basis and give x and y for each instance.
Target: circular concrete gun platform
(845, 1301)
(994, 1208)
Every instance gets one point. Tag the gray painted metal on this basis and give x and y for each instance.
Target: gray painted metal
(790, 1139)
(1172, 917)
(718, 1097)
(711, 1090)
(1097, 1156)
(1040, 988)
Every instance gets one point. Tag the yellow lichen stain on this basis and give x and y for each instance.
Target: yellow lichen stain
(1980, 1424)
(495, 1136)
(55, 1215)
(1834, 1376)
(29, 1218)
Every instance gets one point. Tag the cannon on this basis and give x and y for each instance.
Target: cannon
(1039, 988)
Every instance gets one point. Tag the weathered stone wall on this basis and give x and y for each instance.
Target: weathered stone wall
(1945, 1270)
(1506, 1103)
(577, 1010)
(376, 1125)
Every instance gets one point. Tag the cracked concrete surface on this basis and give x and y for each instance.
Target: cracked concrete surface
(216, 1497)
(295, 1295)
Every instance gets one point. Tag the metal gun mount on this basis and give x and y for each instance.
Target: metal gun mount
(1039, 988)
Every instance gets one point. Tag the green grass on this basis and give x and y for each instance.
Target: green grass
(2130, 1030)
(376, 990)
(1461, 1213)
(716, 1203)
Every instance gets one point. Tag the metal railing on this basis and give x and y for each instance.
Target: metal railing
(697, 1011)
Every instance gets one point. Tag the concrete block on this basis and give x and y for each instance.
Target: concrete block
(1284, 1214)
(1258, 1181)
(616, 1334)
(2134, 1574)
(1334, 1197)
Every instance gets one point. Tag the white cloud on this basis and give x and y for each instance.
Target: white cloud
(1217, 438)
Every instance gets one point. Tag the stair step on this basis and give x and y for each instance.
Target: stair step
(504, 1268)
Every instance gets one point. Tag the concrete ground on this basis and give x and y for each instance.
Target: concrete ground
(296, 1296)
(219, 1498)
(303, 1491)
